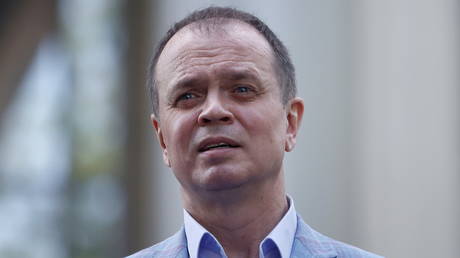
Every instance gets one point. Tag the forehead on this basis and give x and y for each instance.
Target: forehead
(196, 45)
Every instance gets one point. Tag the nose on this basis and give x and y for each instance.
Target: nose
(215, 112)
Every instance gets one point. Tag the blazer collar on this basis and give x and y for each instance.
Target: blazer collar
(308, 241)
(175, 246)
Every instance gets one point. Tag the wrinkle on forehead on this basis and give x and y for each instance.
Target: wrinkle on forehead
(232, 39)
(192, 58)
(202, 54)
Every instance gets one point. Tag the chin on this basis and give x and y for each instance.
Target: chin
(222, 179)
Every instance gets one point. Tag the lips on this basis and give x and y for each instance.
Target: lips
(217, 143)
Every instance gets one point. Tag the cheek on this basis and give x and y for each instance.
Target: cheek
(265, 121)
(267, 134)
(178, 133)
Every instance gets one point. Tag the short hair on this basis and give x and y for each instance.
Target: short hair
(283, 65)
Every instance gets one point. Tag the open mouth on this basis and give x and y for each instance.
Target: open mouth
(216, 146)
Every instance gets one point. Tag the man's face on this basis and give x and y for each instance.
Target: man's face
(221, 121)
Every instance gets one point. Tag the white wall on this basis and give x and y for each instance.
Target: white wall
(406, 130)
(376, 164)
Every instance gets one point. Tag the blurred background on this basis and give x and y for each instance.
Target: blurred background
(377, 163)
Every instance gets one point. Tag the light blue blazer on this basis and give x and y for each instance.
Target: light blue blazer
(307, 243)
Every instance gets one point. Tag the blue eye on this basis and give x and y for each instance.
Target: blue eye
(187, 100)
(186, 96)
(242, 89)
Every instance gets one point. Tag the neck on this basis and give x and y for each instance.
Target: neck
(241, 218)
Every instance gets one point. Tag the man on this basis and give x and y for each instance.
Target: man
(225, 110)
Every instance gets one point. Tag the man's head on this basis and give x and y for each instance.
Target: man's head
(210, 19)
(223, 123)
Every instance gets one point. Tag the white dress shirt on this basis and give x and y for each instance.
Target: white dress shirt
(278, 243)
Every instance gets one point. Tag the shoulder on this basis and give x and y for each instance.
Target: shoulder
(346, 250)
(307, 240)
(174, 246)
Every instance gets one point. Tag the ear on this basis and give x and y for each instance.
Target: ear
(294, 114)
(159, 133)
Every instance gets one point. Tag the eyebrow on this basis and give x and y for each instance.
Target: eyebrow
(189, 82)
(239, 74)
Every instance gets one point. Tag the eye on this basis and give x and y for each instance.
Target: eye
(186, 96)
(187, 100)
(242, 89)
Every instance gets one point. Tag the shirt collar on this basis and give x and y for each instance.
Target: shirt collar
(282, 235)
(194, 233)
(284, 232)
